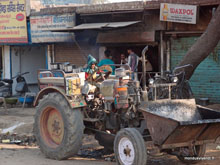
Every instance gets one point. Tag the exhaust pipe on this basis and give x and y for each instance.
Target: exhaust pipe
(144, 68)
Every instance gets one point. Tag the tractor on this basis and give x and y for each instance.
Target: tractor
(120, 113)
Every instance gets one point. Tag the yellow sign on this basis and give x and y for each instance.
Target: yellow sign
(13, 27)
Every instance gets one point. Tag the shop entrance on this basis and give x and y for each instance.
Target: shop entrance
(151, 55)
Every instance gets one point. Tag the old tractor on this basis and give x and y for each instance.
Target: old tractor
(121, 114)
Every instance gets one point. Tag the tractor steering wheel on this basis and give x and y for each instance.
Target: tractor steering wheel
(105, 72)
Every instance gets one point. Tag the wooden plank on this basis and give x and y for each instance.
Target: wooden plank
(127, 6)
(183, 32)
(139, 5)
(126, 37)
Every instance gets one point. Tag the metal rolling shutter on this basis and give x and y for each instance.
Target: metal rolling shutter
(205, 81)
(69, 52)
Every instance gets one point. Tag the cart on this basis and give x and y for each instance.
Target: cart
(181, 128)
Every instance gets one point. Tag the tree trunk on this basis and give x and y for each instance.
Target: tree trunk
(203, 46)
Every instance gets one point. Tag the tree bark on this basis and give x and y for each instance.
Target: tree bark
(203, 46)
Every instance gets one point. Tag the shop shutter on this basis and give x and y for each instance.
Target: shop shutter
(69, 52)
(205, 81)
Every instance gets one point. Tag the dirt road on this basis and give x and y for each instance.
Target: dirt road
(20, 121)
(15, 155)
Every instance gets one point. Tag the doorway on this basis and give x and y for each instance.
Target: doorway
(152, 56)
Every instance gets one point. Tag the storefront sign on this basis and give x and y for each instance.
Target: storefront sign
(13, 27)
(178, 13)
(41, 26)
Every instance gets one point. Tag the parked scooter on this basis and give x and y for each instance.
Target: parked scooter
(6, 85)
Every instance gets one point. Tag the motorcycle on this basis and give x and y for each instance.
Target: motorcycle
(180, 88)
(6, 85)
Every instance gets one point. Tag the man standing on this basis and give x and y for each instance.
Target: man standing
(133, 63)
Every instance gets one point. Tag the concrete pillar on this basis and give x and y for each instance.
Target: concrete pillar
(49, 56)
(161, 53)
(6, 62)
(168, 55)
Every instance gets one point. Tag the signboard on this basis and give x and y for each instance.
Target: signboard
(13, 27)
(41, 26)
(178, 13)
(65, 2)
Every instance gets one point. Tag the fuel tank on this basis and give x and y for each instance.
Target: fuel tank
(108, 89)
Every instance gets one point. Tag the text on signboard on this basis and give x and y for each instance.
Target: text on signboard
(11, 7)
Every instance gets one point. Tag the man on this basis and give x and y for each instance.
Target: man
(124, 60)
(133, 63)
(107, 61)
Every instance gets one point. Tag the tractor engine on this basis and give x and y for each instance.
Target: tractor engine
(121, 100)
(115, 103)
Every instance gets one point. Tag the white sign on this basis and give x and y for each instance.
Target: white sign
(178, 13)
(41, 26)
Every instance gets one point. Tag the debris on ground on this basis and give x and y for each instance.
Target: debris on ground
(23, 140)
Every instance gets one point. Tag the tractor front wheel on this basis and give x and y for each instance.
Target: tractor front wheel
(129, 147)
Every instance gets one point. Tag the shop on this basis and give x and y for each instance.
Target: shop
(120, 26)
(119, 30)
(135, 41)
(180, 38)
(61, 47)
(30, 59)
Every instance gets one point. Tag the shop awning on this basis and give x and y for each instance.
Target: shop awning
(97, 26)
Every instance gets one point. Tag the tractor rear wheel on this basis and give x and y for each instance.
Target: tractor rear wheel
(191, 158)
(58, 128)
